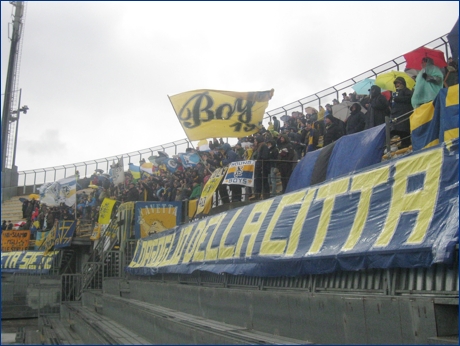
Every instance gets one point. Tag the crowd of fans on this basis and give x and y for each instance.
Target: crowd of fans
(276, 149)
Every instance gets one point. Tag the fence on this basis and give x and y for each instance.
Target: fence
(36, 177)
(440, 279)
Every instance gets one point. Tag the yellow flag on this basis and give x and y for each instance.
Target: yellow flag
(216, 113)
(96, 233)
(106, 211)
(204, 204)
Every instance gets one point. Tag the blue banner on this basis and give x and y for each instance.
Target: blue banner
(64, 234)
(34, 262)
(400, 213)
(346, 155)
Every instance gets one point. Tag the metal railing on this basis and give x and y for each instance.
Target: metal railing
(327, 95)
(440, 280)
(39, 176)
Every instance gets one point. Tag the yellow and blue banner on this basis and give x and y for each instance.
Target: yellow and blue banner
(64, 234)
(436, 121)
(240, 173)
(135, 171)
(27, 261)
(424, 127)
(156, 217)
(401, 213)
(446, 107)
(217, 113)
(40, 238)
(205, 201)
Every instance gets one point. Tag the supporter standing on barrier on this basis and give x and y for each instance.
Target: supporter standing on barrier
(427, 84)
(262, 169)
(401, 107)
(287, 158)
(273, 152)
(355, 122)
(378, 108)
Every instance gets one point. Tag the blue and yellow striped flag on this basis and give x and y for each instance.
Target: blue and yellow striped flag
(447, 108)
(437, 121)
(424, 127)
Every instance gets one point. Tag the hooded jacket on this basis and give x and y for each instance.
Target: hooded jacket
(401, 104)
(378, 108)
(230, 155)
(355, 122)
(426, 90)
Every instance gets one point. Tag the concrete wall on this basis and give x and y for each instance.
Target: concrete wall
(331, 318)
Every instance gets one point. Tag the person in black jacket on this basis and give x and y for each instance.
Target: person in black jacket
(333, 131)
(262, 169)
(378, 108)
(355, 122)
(287, 158)
(401, 107)
(273, 151)
(132, 195)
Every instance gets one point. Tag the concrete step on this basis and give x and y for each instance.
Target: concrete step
(55, 331)
(168, 326)
(12, 208)
(94, 328)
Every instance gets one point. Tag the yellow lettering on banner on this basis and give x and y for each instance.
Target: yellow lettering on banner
(151, 251)
(184, 235)
(251, 227)
(422, 200)
(157, 250)
(277, 247)
(226, 252)
(327, 192)
(168, 240)
(49, 259)
(299, 222)
(211, 253)
(13, 260)
(26, 260)
(139, 247)
(190, 249)
(365, 184)
(214, 221)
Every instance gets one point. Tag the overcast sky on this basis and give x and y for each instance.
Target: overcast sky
(97, 75)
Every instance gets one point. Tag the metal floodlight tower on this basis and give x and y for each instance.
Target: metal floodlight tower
(9, 120)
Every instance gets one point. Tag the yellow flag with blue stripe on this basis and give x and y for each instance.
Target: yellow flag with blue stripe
(424, 127)
(205, 201)
(437, 121)
(447, 108)
(240, 173)
(216, 113)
